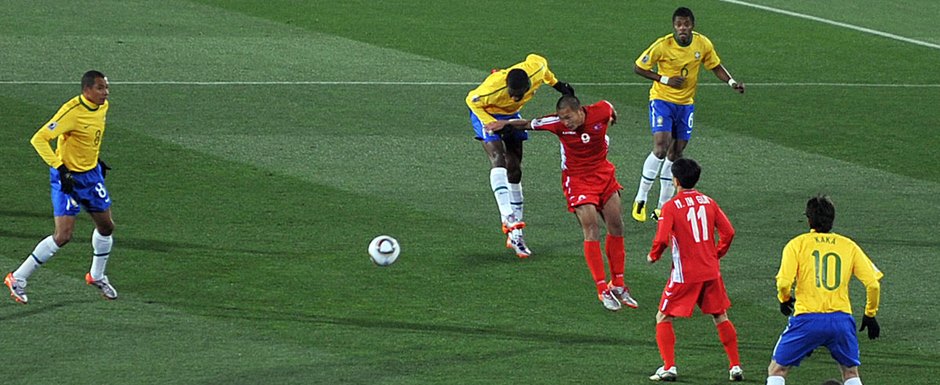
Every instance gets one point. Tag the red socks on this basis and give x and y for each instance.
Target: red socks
(729, 338)
(595, 262)
(615, 257)
(666, 340)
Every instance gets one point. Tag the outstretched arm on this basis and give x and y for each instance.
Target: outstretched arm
(500, 125)
(722, 73)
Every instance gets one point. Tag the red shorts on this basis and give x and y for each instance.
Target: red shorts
(679, 299)
(591, 189)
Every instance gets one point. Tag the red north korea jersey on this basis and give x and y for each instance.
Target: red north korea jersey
(584, 149)
(688, 224)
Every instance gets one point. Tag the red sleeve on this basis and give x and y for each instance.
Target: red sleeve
(548, 123)
(725, 231)
(663, 233)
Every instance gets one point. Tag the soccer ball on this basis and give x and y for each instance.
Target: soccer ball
(384, 250)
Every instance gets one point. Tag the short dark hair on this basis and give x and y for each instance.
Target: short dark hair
(821, 213)
(517, 79)
(683, 12)
(687, 171)
(568, 101)
(88, 79)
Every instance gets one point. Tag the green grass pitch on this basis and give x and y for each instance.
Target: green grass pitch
(243, 209)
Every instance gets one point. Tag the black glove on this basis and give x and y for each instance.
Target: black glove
(66, 180)
(564, 88)
(872, 324)
(104, 168)
(787, 307)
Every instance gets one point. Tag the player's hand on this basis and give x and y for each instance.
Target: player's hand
(66, 180)
(739, 87)
(676, 81)
(874, 330)
(104, 168)
(495, 126)
(564, 88)
(787, 307)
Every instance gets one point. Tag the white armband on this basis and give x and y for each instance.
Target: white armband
(664, 79)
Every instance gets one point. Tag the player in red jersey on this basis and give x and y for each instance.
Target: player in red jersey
(590, 185)
(688, 224)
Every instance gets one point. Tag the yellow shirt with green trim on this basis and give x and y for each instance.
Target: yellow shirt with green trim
(79, 127)
(672, 59)
(491, 97)
(822, 264)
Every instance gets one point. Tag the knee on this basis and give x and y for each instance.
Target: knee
(514, 174)
(105, 229)
(776, 369)
(62, 237)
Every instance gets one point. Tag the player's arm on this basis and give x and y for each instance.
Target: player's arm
(61, 123)
(787, 272)
(476, 102)
(722, 73)
(500, 125)
(663, 231)
(725, 231)
(870, 276)
(674, 82)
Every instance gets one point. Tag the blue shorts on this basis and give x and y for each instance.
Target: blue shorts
(89, 191)
(806, 332)
(481, 133)
(671, 117)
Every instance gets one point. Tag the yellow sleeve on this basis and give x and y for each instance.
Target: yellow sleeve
(710, 57)
(61, 123)
(787, 273)
(548, 77)
(476, 103)
(866, 272)
(649, 57)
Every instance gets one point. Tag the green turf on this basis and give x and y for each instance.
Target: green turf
(243, 211)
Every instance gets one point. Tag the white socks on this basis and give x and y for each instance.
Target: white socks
(499, 181)
(515, 200)
(42, 253)
(666, 188)
(102, 246)
(853, 381)
(650, 168)
(776, 380)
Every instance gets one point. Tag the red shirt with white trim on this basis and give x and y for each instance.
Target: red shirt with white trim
(584, 149)
(689, 223)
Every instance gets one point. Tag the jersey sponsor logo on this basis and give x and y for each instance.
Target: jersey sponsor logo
(52, 125)
(569, 132)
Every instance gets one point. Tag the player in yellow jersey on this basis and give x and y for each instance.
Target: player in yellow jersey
(676, 58)
(77, 180)
(822, 263)
(500, 97)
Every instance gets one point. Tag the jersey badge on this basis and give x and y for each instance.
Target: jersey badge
(52, 126)
(646, 58)
(597, 127)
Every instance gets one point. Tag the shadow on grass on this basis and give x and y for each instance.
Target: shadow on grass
(34, 309)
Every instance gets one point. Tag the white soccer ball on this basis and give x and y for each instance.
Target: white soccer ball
(384, 250)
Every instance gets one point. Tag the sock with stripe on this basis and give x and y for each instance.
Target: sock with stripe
(595, 262)
(515, 200)
(102, 248)
(729, 338)
(616, 254)
(666, 340)
(666, 188)
(650, 168)
(499, 181)
(41, 254)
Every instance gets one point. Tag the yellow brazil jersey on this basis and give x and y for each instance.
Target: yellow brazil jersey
(79, 127)
(491, 96)
(822, 265)
(672, 59)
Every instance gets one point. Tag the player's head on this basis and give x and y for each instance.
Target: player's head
(95, 86)
(569, 111)
(821, 213)
(685, 172)
(683, 21)
(517, 83)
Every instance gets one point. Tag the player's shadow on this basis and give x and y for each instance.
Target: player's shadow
(34, 309)
(567, 338)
